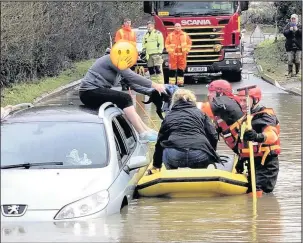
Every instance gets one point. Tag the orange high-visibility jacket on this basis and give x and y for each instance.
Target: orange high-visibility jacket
(126, 34)
(178, 42)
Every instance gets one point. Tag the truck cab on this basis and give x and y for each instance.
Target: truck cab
(214, 28)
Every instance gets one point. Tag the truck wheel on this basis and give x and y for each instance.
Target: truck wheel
(232, 76)
(187, 80)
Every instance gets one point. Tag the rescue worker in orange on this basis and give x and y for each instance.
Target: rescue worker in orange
(265, 135)
(178, 45)
(225, 110)
(126, 33)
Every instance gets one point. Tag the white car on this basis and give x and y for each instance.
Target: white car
(68, 163)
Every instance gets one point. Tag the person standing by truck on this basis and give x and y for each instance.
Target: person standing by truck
(293, 44)
(153, 44)
(178, 45)
(126, 33)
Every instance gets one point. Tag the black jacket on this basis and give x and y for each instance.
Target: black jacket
(293, 39)
(185, 126)
(262, 120)
(227, 109)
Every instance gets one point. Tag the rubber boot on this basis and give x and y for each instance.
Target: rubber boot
(297, 68)
(172, 80)
(180, 81)
(159, 78)
(154, 78)
(259, 193)
(290, 73)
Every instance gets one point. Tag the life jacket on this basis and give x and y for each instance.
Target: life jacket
(231, 133)
(178, 43)
(260, 149)
(153, 42)
(126, 34)
(228, 116)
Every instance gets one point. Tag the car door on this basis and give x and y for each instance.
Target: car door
(124, 178)
(133, 147)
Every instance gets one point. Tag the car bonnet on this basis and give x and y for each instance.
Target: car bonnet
(52, 188)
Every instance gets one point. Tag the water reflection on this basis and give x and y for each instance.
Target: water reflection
(168, 220)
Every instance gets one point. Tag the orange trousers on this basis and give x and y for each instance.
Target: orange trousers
(177, 61)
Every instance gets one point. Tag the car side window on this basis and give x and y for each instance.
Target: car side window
(119, 152)
(128, 132)
(120, 145)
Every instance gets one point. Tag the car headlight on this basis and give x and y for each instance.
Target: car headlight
(236, 54)
(83, 207)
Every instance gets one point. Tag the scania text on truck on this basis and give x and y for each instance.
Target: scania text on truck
(214, 28)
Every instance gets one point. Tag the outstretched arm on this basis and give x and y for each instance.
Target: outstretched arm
(138, 88)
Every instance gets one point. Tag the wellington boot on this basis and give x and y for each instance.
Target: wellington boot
(172, 81)
(259, 194)
(297, 68)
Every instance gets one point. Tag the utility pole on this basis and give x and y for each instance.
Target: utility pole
(276, 20)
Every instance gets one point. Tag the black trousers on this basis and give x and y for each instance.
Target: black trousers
(266, 175)
(96, 97)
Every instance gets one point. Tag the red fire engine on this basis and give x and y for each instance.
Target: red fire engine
(214, 28)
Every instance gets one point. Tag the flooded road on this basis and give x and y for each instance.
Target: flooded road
(224, 219)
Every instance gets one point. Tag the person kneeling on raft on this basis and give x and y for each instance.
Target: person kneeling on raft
(187, 137)
(95, 90)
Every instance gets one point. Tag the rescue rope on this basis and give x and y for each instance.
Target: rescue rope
(145, 112)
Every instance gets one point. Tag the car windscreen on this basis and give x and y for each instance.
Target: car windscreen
(196, 8)
(77, 145)
(139, 35)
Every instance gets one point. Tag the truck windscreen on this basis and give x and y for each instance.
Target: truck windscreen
(175, 8)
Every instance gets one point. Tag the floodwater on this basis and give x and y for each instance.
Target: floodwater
(223, 219)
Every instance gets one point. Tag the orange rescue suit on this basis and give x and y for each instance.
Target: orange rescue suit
(271, 145)
(126, 33)
(178, 45)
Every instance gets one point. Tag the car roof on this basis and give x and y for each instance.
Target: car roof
(78, 113)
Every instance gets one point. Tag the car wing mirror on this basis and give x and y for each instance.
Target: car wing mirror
(137, 162)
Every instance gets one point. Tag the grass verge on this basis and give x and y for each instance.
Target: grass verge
(273, 59)
(28, 91)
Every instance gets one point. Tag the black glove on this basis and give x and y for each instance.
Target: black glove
(240, 167)
(252, 135)
(219, 130)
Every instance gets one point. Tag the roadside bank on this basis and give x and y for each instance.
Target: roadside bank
(36, 90)
(271, 60)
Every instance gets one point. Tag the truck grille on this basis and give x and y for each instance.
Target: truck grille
(206, 43)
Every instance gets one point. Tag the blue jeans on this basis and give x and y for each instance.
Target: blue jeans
(195, 159)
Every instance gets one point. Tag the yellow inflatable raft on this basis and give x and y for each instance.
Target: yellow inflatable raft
(186, 182)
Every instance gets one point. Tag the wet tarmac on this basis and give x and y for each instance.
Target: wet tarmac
(224, 219)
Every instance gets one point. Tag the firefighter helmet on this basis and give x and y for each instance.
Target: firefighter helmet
(254, 93)
(220, 86)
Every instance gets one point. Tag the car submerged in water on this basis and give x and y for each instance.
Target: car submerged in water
(68, 162)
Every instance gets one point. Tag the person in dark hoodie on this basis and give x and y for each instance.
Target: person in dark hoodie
(225, 110)
(293, 44)
(187, 137)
